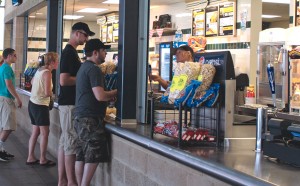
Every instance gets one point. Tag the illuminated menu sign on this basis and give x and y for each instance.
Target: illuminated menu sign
(211, 28)
(226, 19)
(198, 22)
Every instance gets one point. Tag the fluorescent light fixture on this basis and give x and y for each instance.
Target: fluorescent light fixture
(72, 16)
(92, 10)
(31, 16)
(39, 13)
(270, 16)
(183, 15)
(111, 2)
(277, 1)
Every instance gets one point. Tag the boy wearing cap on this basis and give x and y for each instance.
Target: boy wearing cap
(90, 108)
(183, 53)
(69, 66)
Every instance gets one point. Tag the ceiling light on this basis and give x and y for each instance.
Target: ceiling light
(72, 16)
(92, 10)
(39, 13)
(183, 15)
(277, 1)
(31, 16)
(270, 16)
(111, 2)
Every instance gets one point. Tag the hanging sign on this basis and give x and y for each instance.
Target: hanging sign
(211, 28)
(226, 19)
(198, 22)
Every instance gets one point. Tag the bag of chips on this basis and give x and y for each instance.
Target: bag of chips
(182, 77)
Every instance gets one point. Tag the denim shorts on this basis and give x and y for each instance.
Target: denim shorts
(92, 144)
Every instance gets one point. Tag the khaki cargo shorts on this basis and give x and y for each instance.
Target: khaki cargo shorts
(7, 114)
(68, 137)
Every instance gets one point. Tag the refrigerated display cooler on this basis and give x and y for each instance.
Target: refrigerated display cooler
(167, 59)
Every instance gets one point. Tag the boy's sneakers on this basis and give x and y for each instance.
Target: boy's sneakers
(8, 154)
(3, 156)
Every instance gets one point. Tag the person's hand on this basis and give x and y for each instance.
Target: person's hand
(154, 77)
(19, 103)
(297, 48)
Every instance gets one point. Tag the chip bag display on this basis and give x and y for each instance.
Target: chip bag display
(181, 79)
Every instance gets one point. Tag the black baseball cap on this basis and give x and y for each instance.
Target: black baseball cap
(95, 44)
(186, 48)
(84, 27)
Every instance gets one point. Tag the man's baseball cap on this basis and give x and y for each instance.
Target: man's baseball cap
(95, 44)
(84, 27)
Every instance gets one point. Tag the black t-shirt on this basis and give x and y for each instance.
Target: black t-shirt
(89, 76)
(69, 63)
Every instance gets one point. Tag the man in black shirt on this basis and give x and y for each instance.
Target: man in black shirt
(90, 107)
(69, 66)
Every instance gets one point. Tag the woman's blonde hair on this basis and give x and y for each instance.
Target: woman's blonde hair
(50, 57)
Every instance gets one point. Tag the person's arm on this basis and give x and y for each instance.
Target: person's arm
(12, 90)
(47, 77)
(65, 79)
(161, 81)
(102, 95)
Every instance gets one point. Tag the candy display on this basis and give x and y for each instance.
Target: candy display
(170, 128)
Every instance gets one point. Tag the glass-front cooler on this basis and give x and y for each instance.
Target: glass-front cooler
(272, 78)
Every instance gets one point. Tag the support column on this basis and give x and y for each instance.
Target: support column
(51, 36)
(127, 67)
(256, 26)
(18, 45)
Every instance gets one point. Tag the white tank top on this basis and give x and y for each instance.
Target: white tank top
(38, 89)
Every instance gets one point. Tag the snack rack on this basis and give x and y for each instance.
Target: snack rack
(195, 126)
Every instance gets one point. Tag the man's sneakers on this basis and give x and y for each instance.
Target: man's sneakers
(8, 154)
(5, 156)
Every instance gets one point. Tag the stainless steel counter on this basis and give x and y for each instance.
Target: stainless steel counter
(239, 155)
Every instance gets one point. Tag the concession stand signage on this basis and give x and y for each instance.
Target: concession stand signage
(198, 22)
(226, 19)
(211, 28)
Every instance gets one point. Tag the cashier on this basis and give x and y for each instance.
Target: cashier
(183, 54)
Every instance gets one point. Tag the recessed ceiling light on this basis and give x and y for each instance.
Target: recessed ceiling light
(92, 10)
(72, 16)
(277, 1)
(270, 16)
(111, 2)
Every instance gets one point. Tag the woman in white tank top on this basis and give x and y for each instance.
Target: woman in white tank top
(38, 108)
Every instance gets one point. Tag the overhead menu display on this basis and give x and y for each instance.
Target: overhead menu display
(211, 28)
(198, 22)
(226, 19)
(297, 21)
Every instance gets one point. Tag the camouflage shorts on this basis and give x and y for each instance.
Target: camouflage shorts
(92, 146)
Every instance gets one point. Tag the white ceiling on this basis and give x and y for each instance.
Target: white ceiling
(74, 5)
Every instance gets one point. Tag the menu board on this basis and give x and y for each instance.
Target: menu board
(297, 21)
(109, 33)
(104, 33)
(226, 19)
(211, 28)
(115, 32)
(198, 22)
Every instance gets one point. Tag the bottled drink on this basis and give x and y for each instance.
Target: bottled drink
(178, 35)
